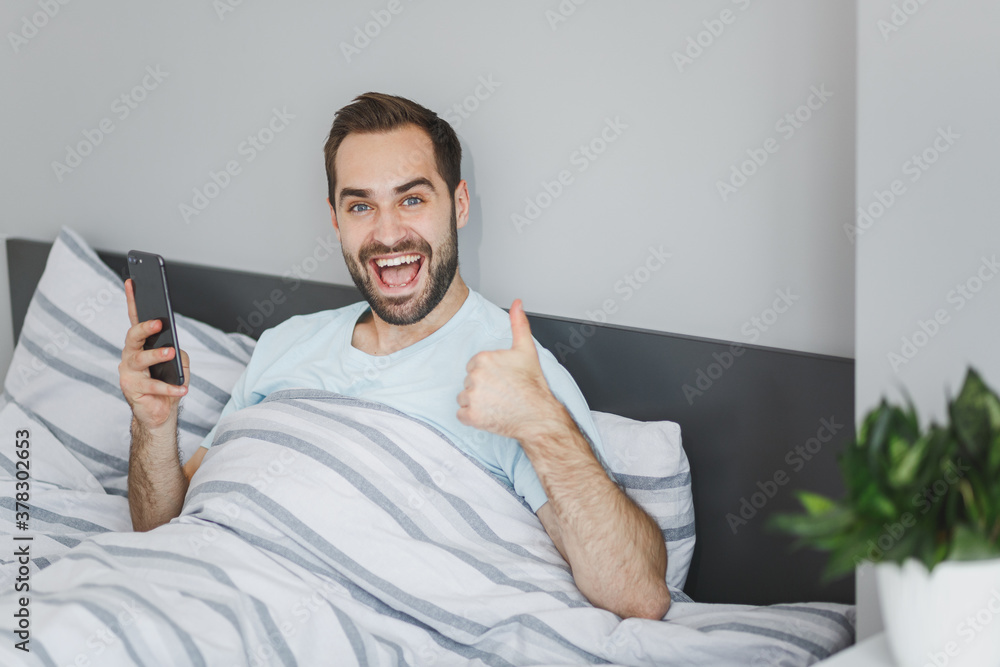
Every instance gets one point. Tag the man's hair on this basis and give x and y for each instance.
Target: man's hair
(378, 112)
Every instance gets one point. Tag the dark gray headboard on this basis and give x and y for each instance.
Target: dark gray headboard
(761, 414)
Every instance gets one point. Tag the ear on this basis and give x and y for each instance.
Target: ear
(333, 216)
(462, 204)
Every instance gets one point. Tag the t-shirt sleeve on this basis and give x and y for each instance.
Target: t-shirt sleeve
(564, 388)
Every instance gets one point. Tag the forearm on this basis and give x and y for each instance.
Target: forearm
(616, 551)
(156, 481)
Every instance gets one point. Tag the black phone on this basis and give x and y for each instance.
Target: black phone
(152, 302)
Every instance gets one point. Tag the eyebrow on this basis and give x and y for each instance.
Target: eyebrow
(399, 189)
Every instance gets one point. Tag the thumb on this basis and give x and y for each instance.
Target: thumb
(520, 329)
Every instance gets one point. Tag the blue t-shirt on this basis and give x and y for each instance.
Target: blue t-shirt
(422, 380)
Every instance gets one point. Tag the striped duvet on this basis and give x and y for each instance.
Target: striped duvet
(327, 530)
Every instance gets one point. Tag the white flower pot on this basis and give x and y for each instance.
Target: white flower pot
(946, 618)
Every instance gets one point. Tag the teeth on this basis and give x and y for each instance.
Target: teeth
(395, 261)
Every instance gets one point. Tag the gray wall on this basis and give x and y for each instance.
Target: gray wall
(928, 305)
(557, 81)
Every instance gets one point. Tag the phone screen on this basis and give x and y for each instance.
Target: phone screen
(152, 302)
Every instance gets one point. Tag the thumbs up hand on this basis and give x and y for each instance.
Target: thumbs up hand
(505, 390)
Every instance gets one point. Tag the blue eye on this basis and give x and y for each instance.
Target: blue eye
(412, 198)
(356, 208)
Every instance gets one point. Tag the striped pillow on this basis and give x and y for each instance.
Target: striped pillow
(64, 372)
(648, 460)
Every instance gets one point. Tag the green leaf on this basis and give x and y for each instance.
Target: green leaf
(968, 544)
(894, 473)
(969, 501)
(814, 503)
(970, 416)
(904, 472)
(993, 460)
(879, 437)
(842, 562)
(813, 528)
(872, 503)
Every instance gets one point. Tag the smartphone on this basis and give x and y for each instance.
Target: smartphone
(152, 302)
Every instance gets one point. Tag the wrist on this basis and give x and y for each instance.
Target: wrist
(165, 430)
(551, 424)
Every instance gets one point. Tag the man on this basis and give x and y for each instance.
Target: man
(440, 352)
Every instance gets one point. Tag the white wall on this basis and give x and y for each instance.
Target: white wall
(939, 71)
(556, 84)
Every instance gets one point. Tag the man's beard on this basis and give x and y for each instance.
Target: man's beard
(415, 307)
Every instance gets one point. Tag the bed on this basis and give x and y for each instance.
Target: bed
(250, 574)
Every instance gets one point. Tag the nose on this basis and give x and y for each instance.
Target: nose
(389, 228)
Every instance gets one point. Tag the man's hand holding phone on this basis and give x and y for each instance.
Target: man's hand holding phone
(156, 481)
(153, 401)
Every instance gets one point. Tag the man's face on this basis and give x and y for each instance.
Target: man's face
(397, 222)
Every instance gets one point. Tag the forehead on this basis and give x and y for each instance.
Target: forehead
(383, 160)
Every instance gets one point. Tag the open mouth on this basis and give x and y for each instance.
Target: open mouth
(397, 272)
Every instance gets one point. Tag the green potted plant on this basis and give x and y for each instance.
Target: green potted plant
(923, 504)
